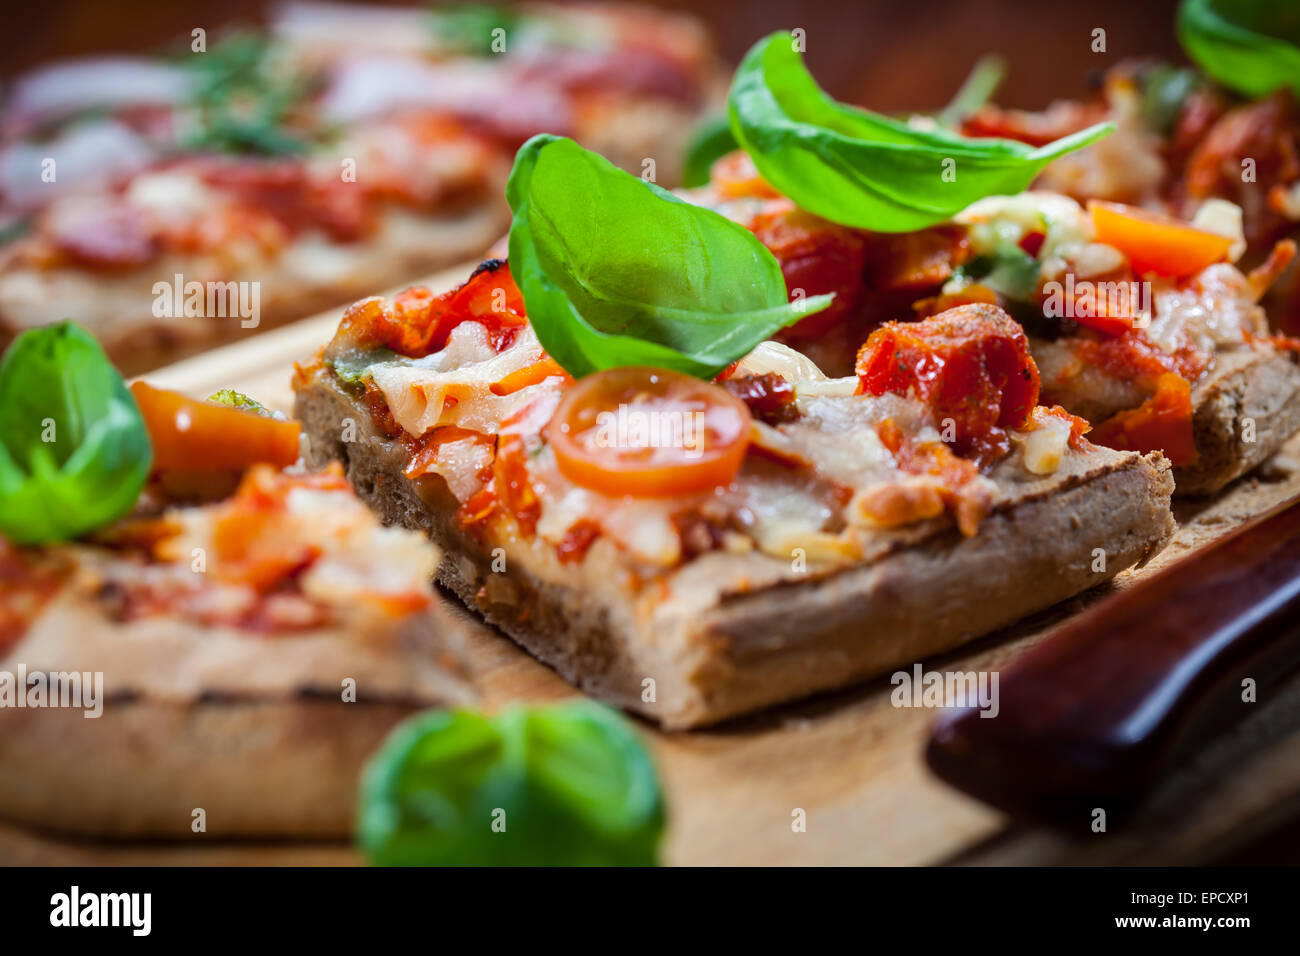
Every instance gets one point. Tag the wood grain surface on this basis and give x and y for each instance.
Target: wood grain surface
(850, 760)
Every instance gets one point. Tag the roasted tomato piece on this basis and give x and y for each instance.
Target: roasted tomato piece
(648, 432)
(769, 397)
(735, 176)
(192, 435)
(1162, 423)
(816, 257)
(1155, 243)
(915, 261)
(970, 364)
(1267, 132)
(418, 322)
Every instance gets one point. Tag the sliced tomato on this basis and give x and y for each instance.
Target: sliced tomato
(1162, 423)
(192, 435)
(970, 365)
(649, 432)
(417, 322)
(1155, 243)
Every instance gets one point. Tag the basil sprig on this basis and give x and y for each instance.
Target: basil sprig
(862, 169)
(616, 271)
(74, 451)
(1251, 46)
(570, 784)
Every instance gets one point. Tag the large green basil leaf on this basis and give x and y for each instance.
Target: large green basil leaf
(74, 451)
(564, 785)
(616, 271)
(1251, 46)
(862, 169)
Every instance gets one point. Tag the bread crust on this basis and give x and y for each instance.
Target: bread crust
(253, 729)
(1260, 386)
(257, 768)
(723, 643)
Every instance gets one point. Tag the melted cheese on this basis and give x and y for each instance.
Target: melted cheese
(1044, 444)
(454, 386)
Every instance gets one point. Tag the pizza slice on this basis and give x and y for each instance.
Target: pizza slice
(1226, 128)
(698, 546)
(175, 202)
(223, 657)
(1142, 324)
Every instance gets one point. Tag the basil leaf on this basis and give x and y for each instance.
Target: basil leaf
(863, 169)
(1251, 46)
(616, 271)
(569, 784)
(711, 141)
(74, 452)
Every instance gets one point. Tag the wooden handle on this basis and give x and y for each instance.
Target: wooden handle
(1097, 712)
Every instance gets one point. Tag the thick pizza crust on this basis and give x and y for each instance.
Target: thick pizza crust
(251, 728)
(258, 768)
(1256, 386)
(725, 637)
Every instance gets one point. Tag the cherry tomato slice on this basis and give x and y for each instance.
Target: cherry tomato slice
(1155, 243)
(191, 435)
(649, 433)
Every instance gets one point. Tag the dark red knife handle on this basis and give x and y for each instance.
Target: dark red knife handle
(1096, 714)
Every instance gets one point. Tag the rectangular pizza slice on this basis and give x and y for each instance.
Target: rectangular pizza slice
(170, 203)
(696, 549)
(222, 658)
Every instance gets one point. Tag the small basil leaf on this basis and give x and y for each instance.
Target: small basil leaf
(1251, 46)
(563, 785)
(863, 169)
(616, 271)
(711, 141)
(74, 451)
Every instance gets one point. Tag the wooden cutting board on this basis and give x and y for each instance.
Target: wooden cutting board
(850, 761)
